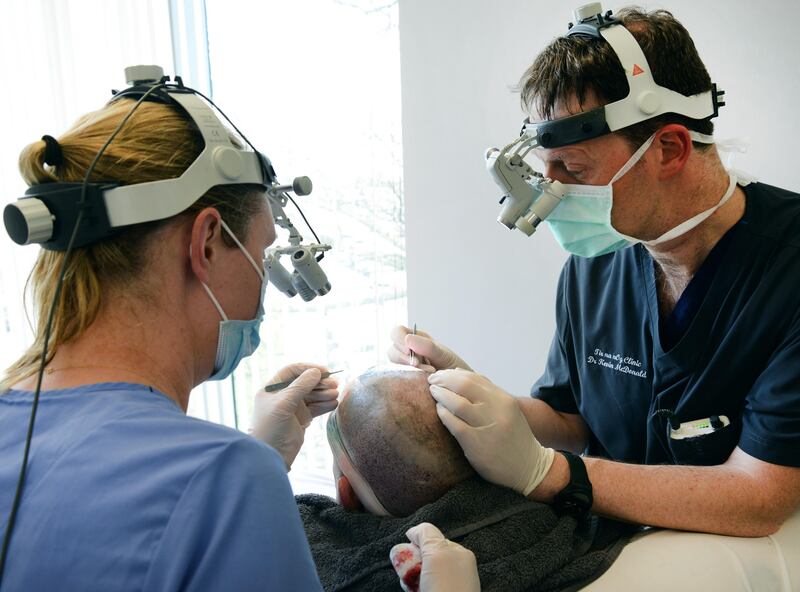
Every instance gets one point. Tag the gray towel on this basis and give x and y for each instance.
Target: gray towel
(518, 544)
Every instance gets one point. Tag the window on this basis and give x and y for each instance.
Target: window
(316, 86)
(60, 60)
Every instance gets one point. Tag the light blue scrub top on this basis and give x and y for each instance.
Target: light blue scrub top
(125, 492)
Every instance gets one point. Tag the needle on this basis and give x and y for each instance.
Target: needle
(271, 388)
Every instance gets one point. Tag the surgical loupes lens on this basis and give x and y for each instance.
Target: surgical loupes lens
(306, 265)
(280, 276)
(299, 284)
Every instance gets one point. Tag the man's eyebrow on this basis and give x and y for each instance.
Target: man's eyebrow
(560, 156)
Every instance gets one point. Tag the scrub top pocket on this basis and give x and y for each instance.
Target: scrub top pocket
(708, 449)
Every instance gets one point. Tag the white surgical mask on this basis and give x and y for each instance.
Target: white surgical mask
(581, 223)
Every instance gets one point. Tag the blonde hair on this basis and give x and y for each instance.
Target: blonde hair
(158, 142)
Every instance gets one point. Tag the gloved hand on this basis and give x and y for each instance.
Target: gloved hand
(491, 429)
(431, 563)
(281, 418)
(430, 354)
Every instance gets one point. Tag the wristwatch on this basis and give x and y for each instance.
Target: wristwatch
(576, 498)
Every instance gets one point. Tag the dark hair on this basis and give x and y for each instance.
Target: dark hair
(577, 66)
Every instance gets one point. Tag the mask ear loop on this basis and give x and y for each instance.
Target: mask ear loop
(210, 295)
(262, 274)
(730, 146)
(259, 270)
(684, 227)
(635, 157)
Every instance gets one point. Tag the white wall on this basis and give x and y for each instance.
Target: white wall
(483, 290)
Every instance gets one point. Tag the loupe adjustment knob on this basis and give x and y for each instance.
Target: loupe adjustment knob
(300, 186)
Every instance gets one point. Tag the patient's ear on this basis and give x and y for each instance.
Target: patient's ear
(347, 496)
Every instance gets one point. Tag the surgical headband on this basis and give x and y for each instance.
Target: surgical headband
(342, 457)
(645, 100)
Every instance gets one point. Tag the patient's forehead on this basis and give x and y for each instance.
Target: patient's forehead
(392, 380)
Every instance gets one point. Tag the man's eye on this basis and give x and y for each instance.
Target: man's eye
(573, 173)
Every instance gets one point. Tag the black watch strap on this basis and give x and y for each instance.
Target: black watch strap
(576, 498)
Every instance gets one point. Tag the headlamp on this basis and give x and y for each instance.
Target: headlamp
(49, 213)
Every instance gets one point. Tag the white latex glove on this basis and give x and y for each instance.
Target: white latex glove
(491, 429)
(431, 563)
(281, 418)
(430, 354)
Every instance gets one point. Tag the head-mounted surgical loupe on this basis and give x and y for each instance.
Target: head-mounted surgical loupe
(528, 197)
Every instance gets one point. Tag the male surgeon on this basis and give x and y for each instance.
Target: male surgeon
(675, 366)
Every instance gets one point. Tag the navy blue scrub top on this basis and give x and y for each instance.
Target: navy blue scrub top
(731, 347)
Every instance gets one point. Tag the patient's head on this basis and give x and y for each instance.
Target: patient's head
(391, 452)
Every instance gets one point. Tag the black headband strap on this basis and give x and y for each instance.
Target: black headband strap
(52, 151)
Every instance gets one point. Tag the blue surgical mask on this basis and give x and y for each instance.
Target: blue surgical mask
(581, 223)
(237, 339)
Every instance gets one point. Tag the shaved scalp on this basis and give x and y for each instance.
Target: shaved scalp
(388, 423)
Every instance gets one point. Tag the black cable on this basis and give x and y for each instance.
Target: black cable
(249, 143)
(672, 422)
(48, 329)
(233, 396)
(316, 238)
(228, 119)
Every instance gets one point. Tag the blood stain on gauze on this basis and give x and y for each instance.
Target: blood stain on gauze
(407, 562)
